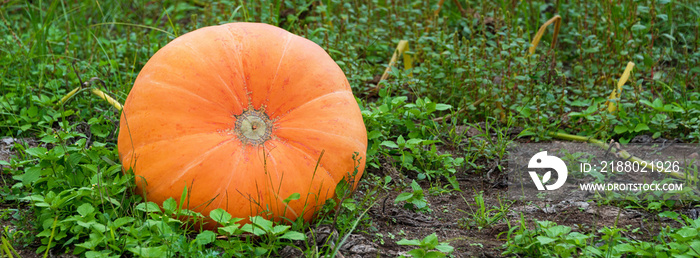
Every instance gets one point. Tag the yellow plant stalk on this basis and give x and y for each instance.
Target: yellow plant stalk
(617, 93)
(501, 113)
(94, 91)
(407, 61)
(439, 7)
(557, 24)
(401, 49)
(68, 96)
(106, 97)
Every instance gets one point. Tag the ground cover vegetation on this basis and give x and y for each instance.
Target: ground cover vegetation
(444, 88)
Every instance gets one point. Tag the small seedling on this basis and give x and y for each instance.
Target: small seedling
(414, 199)
(428, 247)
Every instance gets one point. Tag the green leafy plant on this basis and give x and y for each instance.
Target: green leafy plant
(427, 247)
(414, 199)
(549, 240)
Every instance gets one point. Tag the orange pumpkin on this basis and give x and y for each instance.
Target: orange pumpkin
(240, 114)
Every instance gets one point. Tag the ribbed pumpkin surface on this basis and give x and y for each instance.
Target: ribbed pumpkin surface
(240, 113)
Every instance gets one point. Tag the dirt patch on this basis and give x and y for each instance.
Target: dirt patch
(453, 221)
(451, 216)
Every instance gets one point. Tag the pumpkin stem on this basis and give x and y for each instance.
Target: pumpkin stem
(253, 127)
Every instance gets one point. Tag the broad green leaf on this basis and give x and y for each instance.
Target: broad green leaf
(262, 223)
(398, 100)
(415, 186)
(442, 107)
(445, 248)
(643, 253)
(85, 209)
(419, 203)
(231, 229)
(558, 230)
(205, 237)
(430, 107)
(641, 127)
(92, 242)
(417, 252)
(403, 197)
(148, 207)
(31, 175)
(526, 111)
(121, 221)
(384, 108)
(673, 108)
(349, 204)
(593, 250)
(155, 251)
(279, 229)
(408, 242)
(577, 237)
(99, 227)
(638, 27)
(33, 111)
(292, 197)
(85, 224)
(49, 139)
(694, 248)
(374, 134)
(39, 152)
(220, 215)
(293, 235)
(250, 228)
(260, 251)
(545, 240)
(430, 241)
(170, 205)
(400, 141)
(679, 248)
(389, 144)
(412, 142)
(341, 188)
(624, 248)
(100, 254)
(646, 102)
(665, 214)
(687, 233)
(620, 129)
(434, 254)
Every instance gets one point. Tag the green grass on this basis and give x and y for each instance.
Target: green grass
(470, 64)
